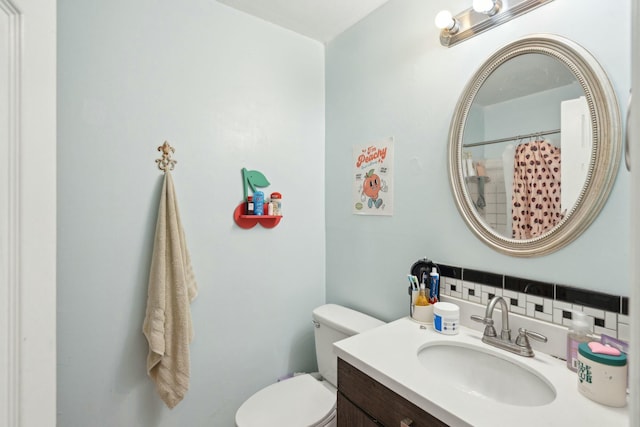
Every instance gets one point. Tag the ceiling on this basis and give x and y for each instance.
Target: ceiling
(321, 20)
(525, 75)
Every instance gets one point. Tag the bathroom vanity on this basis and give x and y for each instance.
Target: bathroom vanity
(406, 372)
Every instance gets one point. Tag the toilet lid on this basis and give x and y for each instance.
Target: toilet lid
(298, 401)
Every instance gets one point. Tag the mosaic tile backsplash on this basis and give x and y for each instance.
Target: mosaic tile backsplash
(549, 302)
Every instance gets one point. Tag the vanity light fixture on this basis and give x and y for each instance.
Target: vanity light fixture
(488, 7)
(484, 15)
(444, 20)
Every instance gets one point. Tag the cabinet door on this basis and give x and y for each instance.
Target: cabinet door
(379, 402)
(349, 415)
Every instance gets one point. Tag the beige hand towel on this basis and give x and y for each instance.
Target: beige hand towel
(172, 287)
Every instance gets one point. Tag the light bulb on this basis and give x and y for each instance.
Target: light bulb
(444, 20)
(488, 7)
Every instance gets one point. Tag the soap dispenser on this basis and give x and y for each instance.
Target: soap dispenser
(579, 332)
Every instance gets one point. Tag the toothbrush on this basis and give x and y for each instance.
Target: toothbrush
(416, 285)
(413, 281)
(413, 286)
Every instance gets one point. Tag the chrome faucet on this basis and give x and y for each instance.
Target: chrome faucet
(521, 345)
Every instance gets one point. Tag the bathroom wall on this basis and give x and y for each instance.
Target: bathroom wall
(389, 76)
(227, 91)
(516, 116)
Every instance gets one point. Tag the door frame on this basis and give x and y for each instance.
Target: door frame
(28, 214)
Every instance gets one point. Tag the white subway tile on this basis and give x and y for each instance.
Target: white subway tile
(624, 332)
(518, 310)
(557, 316)
(468, 285)
(594, 312)
(475, 299)
(531, 309)
(509, 294)
(562, 305)
(543, 316)
(610, 320)
(522, 300)
(489, 289)
(446, 289)
(484, 298)
(535, 299)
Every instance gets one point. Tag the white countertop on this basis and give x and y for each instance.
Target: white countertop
(388, 354)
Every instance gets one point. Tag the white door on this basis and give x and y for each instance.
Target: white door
(27, 213)
(633, 135)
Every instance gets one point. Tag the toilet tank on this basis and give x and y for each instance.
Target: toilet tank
(334, 323)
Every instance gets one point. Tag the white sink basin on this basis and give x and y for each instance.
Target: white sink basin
(478, 371)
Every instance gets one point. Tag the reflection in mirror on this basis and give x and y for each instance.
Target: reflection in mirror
(531, 107)
(534, 145)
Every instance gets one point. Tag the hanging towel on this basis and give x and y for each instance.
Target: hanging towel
(172, 287)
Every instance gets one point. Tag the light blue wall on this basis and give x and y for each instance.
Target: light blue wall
(524, 115)
(389, 76)
(227, 91)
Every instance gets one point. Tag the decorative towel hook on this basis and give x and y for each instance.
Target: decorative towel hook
(166, 162)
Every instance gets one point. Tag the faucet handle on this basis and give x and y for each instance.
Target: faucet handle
(483, 320)
(523, 336)
(489, 330)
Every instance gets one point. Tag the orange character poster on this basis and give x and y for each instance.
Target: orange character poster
(373, 178)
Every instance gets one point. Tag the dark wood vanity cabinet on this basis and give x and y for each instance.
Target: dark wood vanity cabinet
(364, 402)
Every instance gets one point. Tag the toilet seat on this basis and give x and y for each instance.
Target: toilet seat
(301, 401)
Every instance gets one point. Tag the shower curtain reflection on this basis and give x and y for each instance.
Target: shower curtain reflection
(536, 189)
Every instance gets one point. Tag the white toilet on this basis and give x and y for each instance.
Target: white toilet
(304, 401)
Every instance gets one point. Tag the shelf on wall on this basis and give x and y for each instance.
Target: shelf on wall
(477, 179)
(250, 221)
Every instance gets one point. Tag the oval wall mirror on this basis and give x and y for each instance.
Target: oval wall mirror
(534, 145)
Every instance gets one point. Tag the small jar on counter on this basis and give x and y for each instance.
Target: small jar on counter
(446, 318)
(276, 201)
(602, 374)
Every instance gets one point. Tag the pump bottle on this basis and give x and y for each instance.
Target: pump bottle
(578, 332)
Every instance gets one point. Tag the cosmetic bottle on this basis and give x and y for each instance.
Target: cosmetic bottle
(434, 285)
(276, 200)
(471, 171)
(249, 205)
(258, 203)
(578, 332)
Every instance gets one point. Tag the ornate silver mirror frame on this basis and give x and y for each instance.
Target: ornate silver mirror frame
(605, 155)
